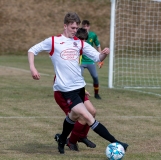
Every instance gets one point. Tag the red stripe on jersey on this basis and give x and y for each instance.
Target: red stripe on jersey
(52, 47)
(59, 35)
(81, 51)
(54, 77)
(75, 38)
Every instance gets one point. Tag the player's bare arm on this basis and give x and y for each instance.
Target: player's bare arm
(33, 70)
(104, 53)
(99, 49)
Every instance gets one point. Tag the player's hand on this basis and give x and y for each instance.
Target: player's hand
(100, 64)
(105, 51)
(87, 93)
(34, 73)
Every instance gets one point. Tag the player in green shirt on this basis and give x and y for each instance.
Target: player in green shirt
(87, 62)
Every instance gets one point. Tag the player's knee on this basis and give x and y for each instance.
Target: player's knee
(82, 121)
(93, 112)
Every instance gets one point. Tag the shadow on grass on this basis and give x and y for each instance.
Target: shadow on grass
(38, 148)
(47, 150)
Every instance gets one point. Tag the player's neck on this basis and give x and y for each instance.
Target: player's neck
(66, 35)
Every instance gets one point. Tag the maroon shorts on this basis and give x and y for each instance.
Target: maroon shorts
(63, 103)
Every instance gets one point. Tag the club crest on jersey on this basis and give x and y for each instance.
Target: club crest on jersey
(69, 102)
(62, 42)
(69, 54)
(75, 44)
(91, 40)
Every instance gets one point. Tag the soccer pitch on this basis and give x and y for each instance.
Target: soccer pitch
(29, 116)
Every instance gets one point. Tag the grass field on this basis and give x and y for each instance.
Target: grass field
(29, 116)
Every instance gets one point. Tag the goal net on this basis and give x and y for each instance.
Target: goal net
(135, 44)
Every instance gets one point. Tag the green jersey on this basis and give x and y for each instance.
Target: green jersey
(92, 40)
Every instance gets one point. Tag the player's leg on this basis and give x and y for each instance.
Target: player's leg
(80, 111)
(68, 123)
(83, 66)
(93, 71)
(81, 128)
(96, 126)
(90, 106)
(65, 107)
(85, 130)
(61, 102)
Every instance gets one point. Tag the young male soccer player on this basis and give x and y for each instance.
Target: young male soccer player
(87, 62)
(77, 135)
(64, 51)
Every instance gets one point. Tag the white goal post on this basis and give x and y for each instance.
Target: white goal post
(135, 44)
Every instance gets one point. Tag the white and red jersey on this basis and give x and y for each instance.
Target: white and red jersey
(64, 53)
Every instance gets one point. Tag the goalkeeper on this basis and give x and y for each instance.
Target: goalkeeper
(87, 62)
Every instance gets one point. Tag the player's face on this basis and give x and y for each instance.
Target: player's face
(70, 29)
(86, 27)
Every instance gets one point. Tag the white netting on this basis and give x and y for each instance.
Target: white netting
(137, 44)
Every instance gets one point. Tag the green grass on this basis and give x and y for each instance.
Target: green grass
(29, 116)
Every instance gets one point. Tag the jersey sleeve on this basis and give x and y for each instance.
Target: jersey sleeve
(91, 52)
(45, 45)
(96, 41)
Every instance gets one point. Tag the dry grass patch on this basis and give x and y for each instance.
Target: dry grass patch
(29, 117)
